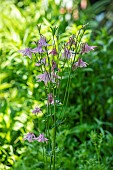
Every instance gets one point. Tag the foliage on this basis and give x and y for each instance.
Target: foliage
(89, 112)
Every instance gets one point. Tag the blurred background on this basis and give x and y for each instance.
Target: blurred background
(89, 115)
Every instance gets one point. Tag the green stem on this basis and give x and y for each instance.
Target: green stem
(43, 156)
(54, 134)
(50, 162)
(53, 147)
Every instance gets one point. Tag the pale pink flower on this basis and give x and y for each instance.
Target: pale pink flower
(80, 63)
(26, 52)
(50, 99)
(86, 48)
(45, 77)
(41, 138)
(53, 52)
(30, 137)
(66, 53)
(36, 110)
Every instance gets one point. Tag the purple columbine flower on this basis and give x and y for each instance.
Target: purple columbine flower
(42, 61)
(66, 53)
(36, 110)
(26, 52)
(86, 48)
(54, 76)
(41, 138)
(71, 41)
(80, 64)
(45, 77)
(38, 49)
(54, 65)
(53, 52)
(50, 99)
(42, 41)
(30, 137)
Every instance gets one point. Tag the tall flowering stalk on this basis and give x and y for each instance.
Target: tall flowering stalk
(53, 59)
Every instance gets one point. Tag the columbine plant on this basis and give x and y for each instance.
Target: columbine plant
(53, 59)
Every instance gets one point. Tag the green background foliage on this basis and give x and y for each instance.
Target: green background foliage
(86, 131)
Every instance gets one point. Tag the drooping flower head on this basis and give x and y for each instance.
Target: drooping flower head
(86, 48)
(45, 77)
(42, 61)
(26, 52)
(66, 54)
(38, 49)
(36, 110)
(53, 52)
(41, 138)
(71, 41)
(54, 76)
(30, 137)
(50, 99)
(54, 65)
(80, 63)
